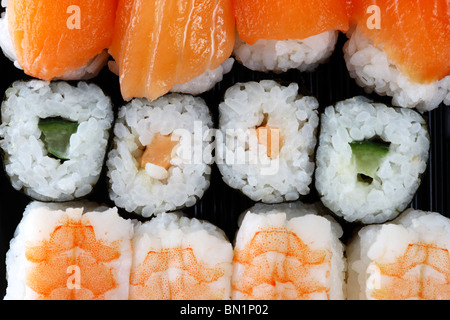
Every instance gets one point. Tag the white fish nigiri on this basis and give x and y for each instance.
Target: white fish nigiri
(178, 258)
(288, 251)
(72, 251)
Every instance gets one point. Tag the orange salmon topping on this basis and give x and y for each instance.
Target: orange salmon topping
(288, 19)
(47, 40)
(158, 44)
(415, 35)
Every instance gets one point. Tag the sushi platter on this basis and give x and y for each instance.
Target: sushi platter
(336, 109)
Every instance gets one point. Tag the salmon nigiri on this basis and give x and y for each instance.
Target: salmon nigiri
(63, 39)
(287, 34)
(158, 44)
(401, 49)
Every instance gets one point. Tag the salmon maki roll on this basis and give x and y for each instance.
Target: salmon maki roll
(176, 257)
(162, 154)
(64, 39)
(71, 251)
(266, 140)
(288, 251)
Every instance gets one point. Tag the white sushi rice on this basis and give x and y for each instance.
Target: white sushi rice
(243, 161)
(206, 81)
(373, 71)
(41, 219)
(398, 176)
(281, 56)
(172, 234)
(153, 190)
(26, 159)
(387, 243)
(312, 224)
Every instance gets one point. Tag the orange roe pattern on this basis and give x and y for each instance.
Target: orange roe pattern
(72, 243)
(293, 270)
(151, 279)
(401, 283)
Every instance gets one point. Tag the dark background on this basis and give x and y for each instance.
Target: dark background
(222, 205)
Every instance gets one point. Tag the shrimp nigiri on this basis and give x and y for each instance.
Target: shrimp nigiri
(72, 251)
(288, 251)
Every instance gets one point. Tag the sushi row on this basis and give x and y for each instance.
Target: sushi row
(81, 250)
(187, 45)
(367, 167)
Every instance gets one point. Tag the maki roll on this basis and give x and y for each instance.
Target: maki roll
(405, 259)
(370, 159)
(288, 251)
(62, 39)
(70, 251)
(161, 154)
(54, 137)
(176, 257)
(266, 140)
(283, 35)
(401, 50)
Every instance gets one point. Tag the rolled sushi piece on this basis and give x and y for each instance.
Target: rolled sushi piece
(54, 137)
(370, 159)
(405, 259)
(287, 35)
(288, 251)
(159, 46)
(180, 258)
(401, 50)
(162, 154)
(266, 140)
(63, 40)
(71, 251)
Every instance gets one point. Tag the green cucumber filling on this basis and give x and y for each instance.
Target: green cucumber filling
(56, 133)
(367, 156)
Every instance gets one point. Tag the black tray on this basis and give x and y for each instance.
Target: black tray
(221, 205)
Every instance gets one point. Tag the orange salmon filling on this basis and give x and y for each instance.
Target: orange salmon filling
(72, 243)
(270, 138)
(293, 269)
(159, 151)
(150, 280)
(399, 282)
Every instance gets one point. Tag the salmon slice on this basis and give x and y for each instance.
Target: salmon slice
(288, 19)
(159, 151)
(49, 41)
(415, 35)
(158, 44)
(270, 138)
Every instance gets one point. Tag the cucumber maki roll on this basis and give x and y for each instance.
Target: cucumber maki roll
(54, 137)
(266, 140)
(370, 159)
